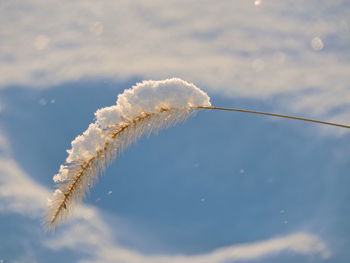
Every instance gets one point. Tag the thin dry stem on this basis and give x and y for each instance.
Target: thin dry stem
(275, 115)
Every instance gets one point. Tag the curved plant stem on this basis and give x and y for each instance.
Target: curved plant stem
(275, 115)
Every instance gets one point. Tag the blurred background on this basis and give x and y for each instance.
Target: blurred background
(222, 187)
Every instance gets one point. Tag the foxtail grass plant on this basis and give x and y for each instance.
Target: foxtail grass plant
(142, 110)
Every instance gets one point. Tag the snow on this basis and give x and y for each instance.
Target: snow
(145, 97)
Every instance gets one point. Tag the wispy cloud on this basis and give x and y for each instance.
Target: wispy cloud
(299, 243)
(89, 234)
(4, 144)
(234, 47)
(18, 192)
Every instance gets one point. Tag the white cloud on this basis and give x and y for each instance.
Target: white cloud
(18, 192)
(88, 234)
(231, 47)
(299, 243)
(4, 144)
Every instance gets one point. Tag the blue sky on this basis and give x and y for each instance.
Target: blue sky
(221, 187)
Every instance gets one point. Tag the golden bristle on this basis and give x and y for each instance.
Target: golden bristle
(118, 138)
